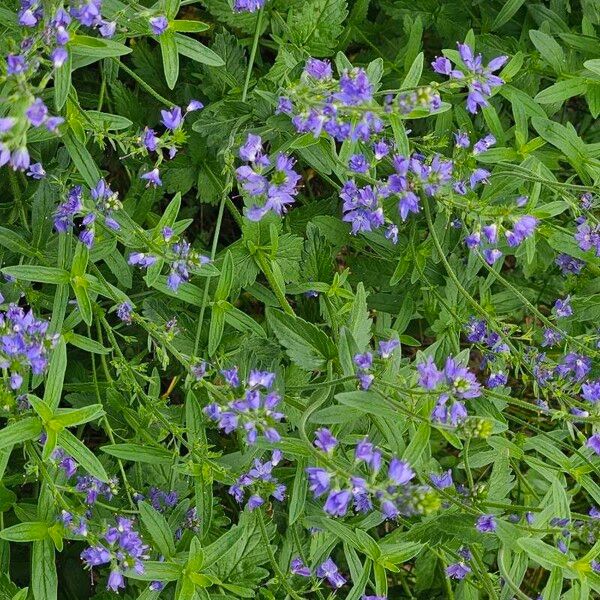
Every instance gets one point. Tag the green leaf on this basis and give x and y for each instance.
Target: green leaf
(242, 322)
(359, 323)
(22, 431)
(414, 74)
(545, 555)
(506, 13)
(418, 444)
(217, 325)
(170, 57)
(315, 25)
(185, 26)
(197, 51)
(38, 274)
(56, 375)
(593, 65)
(44, 580)
(562, 90)
(62, 82)
(82, 159)
(69, 417)
(15, 243)
(82, 454)
(549, 49)
(25, 532)
(225, 280)
(137, 453)
(155, 570)
(96, 48)
(84, 301)
(306, 345)
(368, 402)
(158, 528)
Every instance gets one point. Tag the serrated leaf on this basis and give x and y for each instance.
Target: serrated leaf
(306, 345)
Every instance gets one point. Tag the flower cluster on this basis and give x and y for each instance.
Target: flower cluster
(588, 236)
(455, 382)
(259, 483)
(479, 79)
(248, 6)
(24, 344)
(182, 259)
(122, 548)
(93, 488)
(172, 119)
(487, 240)
(253, 411)
(105, 203)
(344, 108)
(326, 570)
(371, 485)
(272, 183)
(364, 361)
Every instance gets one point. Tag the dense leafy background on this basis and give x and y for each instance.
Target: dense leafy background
(130, 407)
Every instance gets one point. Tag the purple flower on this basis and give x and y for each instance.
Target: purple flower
(297, 567)
(484, 144)
(479, 176)
(231, 376)
(248, 5)
(355, 88)
(491, 233)
(594, 443)
(399, 471)
(358, 163)
(318, 480)
(324, 440)
(363, 361)
(458, 570)
(59, 56)
(318, 69)
(391, 234)
(486, 524)
(251, 150)
(107, 28)
(36, 171)
(569, 264)
(429, 375)
(563, 308)
(337, 503)
(461, 138)
(172, 119)
(328, 570)
(19, 159)
(37, 112)
(491, 255)
(442, 66)
(577, 364)
(15, 64)
(52, 124)
(194, 105)
(387, 347)
(442, 481)
(591, 391)
(152, 177)
(6, 124)
(522, 229)
(158, 24)
(124, 312)
(497, 379)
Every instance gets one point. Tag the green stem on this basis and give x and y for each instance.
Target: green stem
(142, 83)
(213, 253)
(257, 29)
(281, 576)
(265, 267)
